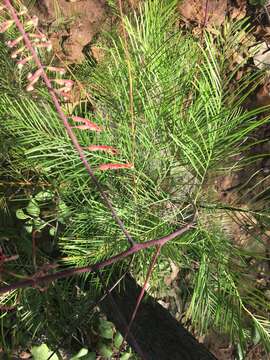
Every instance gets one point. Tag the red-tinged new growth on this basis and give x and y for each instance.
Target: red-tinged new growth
(13, 43)
(111, 166)
(87, 124)
(67, 85)
(33, 78)
(105, 148)
(24, 61)
(39, 40)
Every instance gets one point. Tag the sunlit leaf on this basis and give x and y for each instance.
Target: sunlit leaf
(42, 352)
(21, 215)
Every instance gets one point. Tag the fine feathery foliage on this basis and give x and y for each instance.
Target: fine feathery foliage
(170, 105)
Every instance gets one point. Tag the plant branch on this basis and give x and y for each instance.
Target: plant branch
(108, 292)
(140, 297)
(37, 280)
(65, 121)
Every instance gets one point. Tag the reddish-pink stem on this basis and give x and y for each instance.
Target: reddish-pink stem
(65, 121)
(140, 297)
(205, 14)
(34, 281)
(123, 320)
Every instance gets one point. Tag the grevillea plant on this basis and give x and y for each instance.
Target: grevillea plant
(170, 105)
(26, 55)
(26, 51)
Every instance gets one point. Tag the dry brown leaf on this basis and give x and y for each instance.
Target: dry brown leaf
(134, 3)
(262, 58)
(24, 355)
(97, 53)
(173, 275)
(238, 10)
(257, 353)
(219, 345)
(204, 12)
(263, 95)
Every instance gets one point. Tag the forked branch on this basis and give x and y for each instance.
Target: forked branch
(39, 281)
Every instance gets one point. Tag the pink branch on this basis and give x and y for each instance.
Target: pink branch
(205, 14)
(123, 320)
(65, 121)
(140, 297)
(36, 281)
